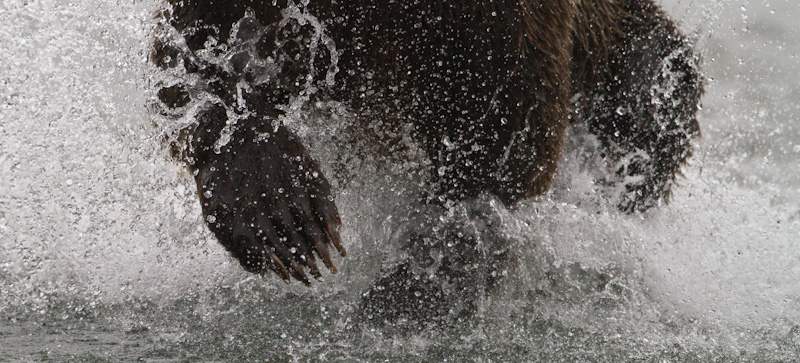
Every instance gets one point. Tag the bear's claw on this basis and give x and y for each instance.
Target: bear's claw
(268, 203)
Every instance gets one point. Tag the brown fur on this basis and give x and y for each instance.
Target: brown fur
(484, 88)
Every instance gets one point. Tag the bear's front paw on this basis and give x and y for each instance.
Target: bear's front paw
(268, 203)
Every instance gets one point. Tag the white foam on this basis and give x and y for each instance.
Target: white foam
(91, 207)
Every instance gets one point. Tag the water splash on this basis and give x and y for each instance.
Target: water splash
(104, 253)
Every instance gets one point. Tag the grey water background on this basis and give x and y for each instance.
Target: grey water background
(104, 255)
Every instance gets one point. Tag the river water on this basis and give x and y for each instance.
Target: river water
(104, 255)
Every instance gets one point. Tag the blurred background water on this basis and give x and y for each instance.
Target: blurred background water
(104, 255)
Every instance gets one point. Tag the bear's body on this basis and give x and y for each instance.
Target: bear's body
(484, 88)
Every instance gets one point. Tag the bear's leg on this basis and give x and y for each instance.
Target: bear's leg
(452, 261)
(496, 134)
(263, 196)
(645, 113)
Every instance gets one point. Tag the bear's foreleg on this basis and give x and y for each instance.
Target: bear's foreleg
(644, 114)
(263, 196)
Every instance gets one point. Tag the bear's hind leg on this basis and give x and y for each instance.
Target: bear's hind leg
(453, 260)
(645, 113)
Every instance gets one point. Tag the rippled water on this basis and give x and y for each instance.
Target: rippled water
(104, 255)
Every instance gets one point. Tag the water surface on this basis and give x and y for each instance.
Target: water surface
(104, 255)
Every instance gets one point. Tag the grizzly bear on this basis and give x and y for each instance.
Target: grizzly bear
(485, 89)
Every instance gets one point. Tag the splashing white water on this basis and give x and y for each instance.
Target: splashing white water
(91, 210)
